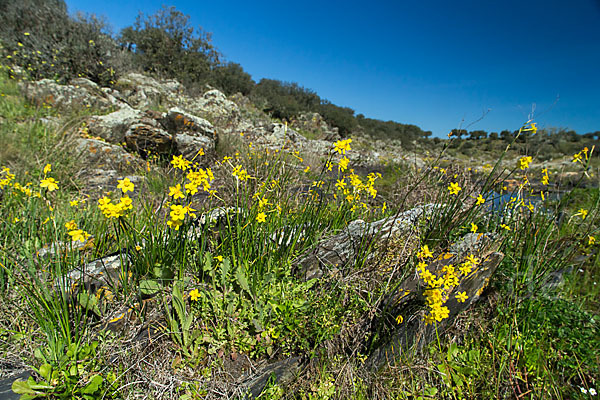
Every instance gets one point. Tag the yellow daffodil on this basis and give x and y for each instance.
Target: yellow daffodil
(461, 297)
(524, 162)
(261, 217)
(453, 188)
(49, 183)
(125, 185)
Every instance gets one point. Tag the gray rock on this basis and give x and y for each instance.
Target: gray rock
(281, 372)
(144, 92)
(105, 271)
(336, 252)
(191, 133)
(66, 97)
(391, 339)
(144, 138)
(113, 126)
(94, 153)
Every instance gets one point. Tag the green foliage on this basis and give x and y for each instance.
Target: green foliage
(41, 38)
(167, 45)
(231, 78)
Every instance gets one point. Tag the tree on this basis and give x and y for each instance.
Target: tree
(166, 44)
(231, 78)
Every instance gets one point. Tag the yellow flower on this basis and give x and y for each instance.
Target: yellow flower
(591, 240)
(461, 297)
(74, 203)
(524, 162)
(194, 295)
(582, 212)
(480, 200)
(177, 212)
(47, 168)
(343, 165)
(473, 228)
(425, 253)
(220, 258)
(505, 227)
(175, 223)
(71, 225)
(175, 192)
(125, 185)
(341, 146)
(49, 183)
(307, 169)
(190, 211)
(399, 319)
(340, 184)
(79, 235)
(453, 188)
(261, 217)
(180, 162)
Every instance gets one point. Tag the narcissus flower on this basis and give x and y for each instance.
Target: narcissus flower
(341, 146)
(453, 188)
(261, 217)
(49, 183)
(461, 297)
(125, 185)
(79, 235)
(480, 200)
(524, 162)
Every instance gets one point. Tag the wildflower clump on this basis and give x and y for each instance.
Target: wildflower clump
(438, 288)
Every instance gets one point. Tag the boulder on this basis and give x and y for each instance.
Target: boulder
(112, 127)
(214, 106)
(67, 97)
(145, 138)
(144, 92)
(192, 134)
(334, 253)
(99, 154)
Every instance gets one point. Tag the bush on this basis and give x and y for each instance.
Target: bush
(41, 38)
(166, 45)
(231, 78)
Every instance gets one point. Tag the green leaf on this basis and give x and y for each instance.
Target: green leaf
(46, 372)
(22, 387)
(242, 280)
(150, 287)
(94, 384)
(88, 302)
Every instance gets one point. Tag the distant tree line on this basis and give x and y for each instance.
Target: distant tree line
(41, 38)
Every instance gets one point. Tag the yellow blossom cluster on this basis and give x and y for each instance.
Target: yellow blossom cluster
(76, 233)
(178, 213)
(583, 155)
(200, 178)
(116, 210)
(341, 146)
(438, 287)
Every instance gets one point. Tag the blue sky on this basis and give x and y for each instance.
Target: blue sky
(436, 64)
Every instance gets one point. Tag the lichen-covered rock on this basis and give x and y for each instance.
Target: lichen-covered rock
(67, 97)
(144, 92)
(213, 106)
(96, 153)
(336, 252)
(145, 138)
(402, 326)
(112, 127)
(192, 134)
